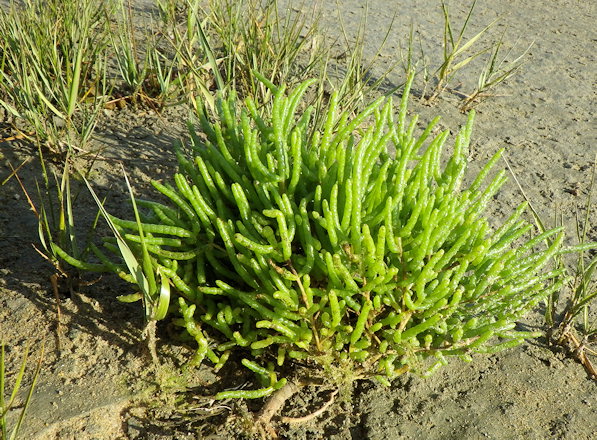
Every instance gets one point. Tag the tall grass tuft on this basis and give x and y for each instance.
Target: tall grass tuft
(570, 313)
(149, 67)
(570, 309)
(459, 51)
(54, 69)
(497, 69)
(254, 35)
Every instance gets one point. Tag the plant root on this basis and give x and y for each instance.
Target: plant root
(314, 414)
(577, 349)
(275, 404)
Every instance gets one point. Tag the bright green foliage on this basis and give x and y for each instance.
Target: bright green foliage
(288, 242)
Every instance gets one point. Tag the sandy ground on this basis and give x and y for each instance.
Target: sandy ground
(94, 385)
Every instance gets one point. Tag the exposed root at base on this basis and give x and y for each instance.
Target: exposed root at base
(577, 349)
(275, 404)
(314, 414)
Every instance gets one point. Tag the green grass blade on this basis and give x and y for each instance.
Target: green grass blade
(210, 54)
(448, 37)
(467, 60)
(147, 264)
(18, 380)
(464, 26)
(45, 100)
(70, 218)
(73, 93)
(129, 258)
(14, 434)
(163, 302)
(2, 405)
(473, 40)
(13, 111)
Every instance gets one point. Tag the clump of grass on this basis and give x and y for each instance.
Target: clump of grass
(288, 47)
(7, 404)
(574, 328)
(221, 46)
(56, 222)
(358, 82)
(183, 27)
(495, 71)
(458, 52)
(568, 310)
(568, 313)
(148, 70)
(254, 35)
(55, 215)
(280, 246)
(131, 64)
(53, 69)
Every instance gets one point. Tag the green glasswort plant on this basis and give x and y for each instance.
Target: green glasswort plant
(353, 249)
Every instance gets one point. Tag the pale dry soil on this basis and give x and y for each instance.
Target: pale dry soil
(96, 381)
